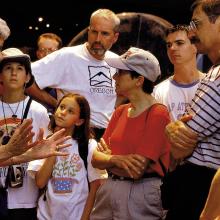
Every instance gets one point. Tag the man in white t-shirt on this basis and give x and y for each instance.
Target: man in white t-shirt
(177, 91)
(82, 69)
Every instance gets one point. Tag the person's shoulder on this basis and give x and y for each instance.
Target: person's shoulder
(161, 87)
(58, 56)
(110, 54)
(92, 141)
(118, 111)
(159, 109)
(122, 106)
(213, 74)
(71, 49)
(163, 83)
(34, 103)
(38, 107)
(92, 145)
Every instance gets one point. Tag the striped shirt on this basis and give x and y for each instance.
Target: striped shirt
(205, 109)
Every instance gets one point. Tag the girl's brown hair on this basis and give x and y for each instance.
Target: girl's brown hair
(81, 133)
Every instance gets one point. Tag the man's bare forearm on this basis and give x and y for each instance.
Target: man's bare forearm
(4, 153)
(15, 160)
(41, 95)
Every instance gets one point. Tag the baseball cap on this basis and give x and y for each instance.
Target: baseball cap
(15, 55)
(138, 60)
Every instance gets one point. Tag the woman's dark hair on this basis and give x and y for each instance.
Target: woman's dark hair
(147, 85)
(81, 133)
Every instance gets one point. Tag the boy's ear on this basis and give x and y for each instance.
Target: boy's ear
(28, 77)
(79, 122)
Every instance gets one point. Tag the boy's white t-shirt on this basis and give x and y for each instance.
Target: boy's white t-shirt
(175, 96)
(25, 196)
(67, 189)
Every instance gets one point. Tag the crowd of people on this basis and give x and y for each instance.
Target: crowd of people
(70, 147)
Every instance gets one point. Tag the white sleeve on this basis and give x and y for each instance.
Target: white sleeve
(50, 70)
(94, 173)
(40, 118)
(156, 93)
(34, 166)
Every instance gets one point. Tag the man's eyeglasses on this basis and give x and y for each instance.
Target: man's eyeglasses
(193, 25)
(47, 50)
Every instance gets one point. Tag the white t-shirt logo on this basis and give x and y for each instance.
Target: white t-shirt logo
(100, 76)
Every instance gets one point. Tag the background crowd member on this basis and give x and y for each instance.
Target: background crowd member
(46, 44)
(82, 69)
(177, 91)
(4, 34)
(15, 70)
(20, 140)
(135, 135)
(203, 158)
(67, 178)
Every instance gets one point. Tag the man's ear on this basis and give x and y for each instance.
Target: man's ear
(116, 37)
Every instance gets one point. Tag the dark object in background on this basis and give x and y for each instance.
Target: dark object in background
(141, 30)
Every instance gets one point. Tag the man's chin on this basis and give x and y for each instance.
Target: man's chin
(99, 52)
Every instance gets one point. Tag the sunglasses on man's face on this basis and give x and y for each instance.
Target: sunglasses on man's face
(194, 23)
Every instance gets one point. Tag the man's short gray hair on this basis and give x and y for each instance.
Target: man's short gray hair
(4, 29)
(108, 14)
